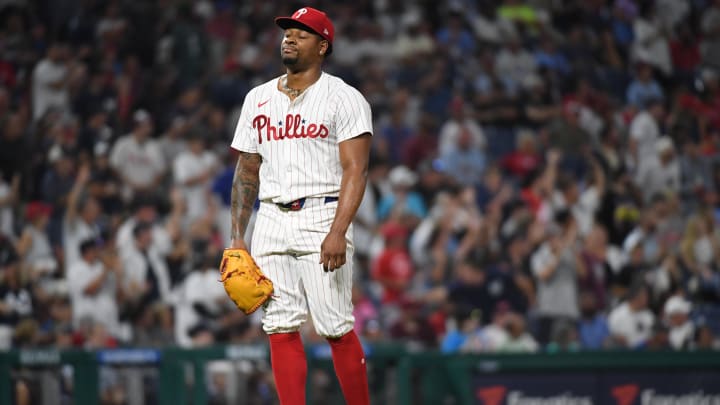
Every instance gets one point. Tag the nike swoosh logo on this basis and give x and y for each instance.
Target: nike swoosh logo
(263, 103)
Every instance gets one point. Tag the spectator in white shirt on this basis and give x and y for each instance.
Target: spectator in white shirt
(514, 63)
(49, 82)
(413, 39)
(556, 267)
(651, 40)
(660, 172)
(172, 143)
(93, 288)
(145, 279)
(144, 210)
(488, 27)
(453, 129)
(677, 317)
(583, 204)
(34, 245)
(631, 322)
(137, 159)
(81, 218)
(519, 339)
(194, 171)
(112, 25)
(645, 131)
(201, 299)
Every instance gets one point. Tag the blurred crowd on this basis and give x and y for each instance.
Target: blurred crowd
(544, 173)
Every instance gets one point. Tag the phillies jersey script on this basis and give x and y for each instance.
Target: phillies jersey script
(298, 139)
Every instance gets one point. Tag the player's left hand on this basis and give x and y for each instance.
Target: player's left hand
(332, 251)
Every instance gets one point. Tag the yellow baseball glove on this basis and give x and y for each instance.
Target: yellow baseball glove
(244, 282)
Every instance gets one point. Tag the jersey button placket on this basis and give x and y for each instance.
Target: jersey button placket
(284, 179)
(287, 157)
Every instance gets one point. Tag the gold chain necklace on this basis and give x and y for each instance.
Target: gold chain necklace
(294, 93)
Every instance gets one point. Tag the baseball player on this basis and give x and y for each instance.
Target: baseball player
(304, 141)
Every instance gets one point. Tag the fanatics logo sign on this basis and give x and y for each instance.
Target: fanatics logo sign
(605, 387)
(492, 395)
(625, 394)
(501, 395)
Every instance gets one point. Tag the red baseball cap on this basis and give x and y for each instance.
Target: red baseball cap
(310, 19)
(393, 229)
(36, 208)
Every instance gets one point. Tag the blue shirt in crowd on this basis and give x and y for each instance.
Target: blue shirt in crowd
(593, 332)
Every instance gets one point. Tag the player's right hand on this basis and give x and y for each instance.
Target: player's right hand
(332, 251)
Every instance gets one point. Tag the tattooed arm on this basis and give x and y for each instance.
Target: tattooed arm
(244, 193)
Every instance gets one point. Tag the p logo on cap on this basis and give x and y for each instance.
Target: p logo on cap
(312, 20)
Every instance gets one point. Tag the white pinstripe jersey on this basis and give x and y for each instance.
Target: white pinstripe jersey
(298, 140)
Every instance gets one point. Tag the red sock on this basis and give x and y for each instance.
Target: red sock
(289, 367)
(349, 361)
